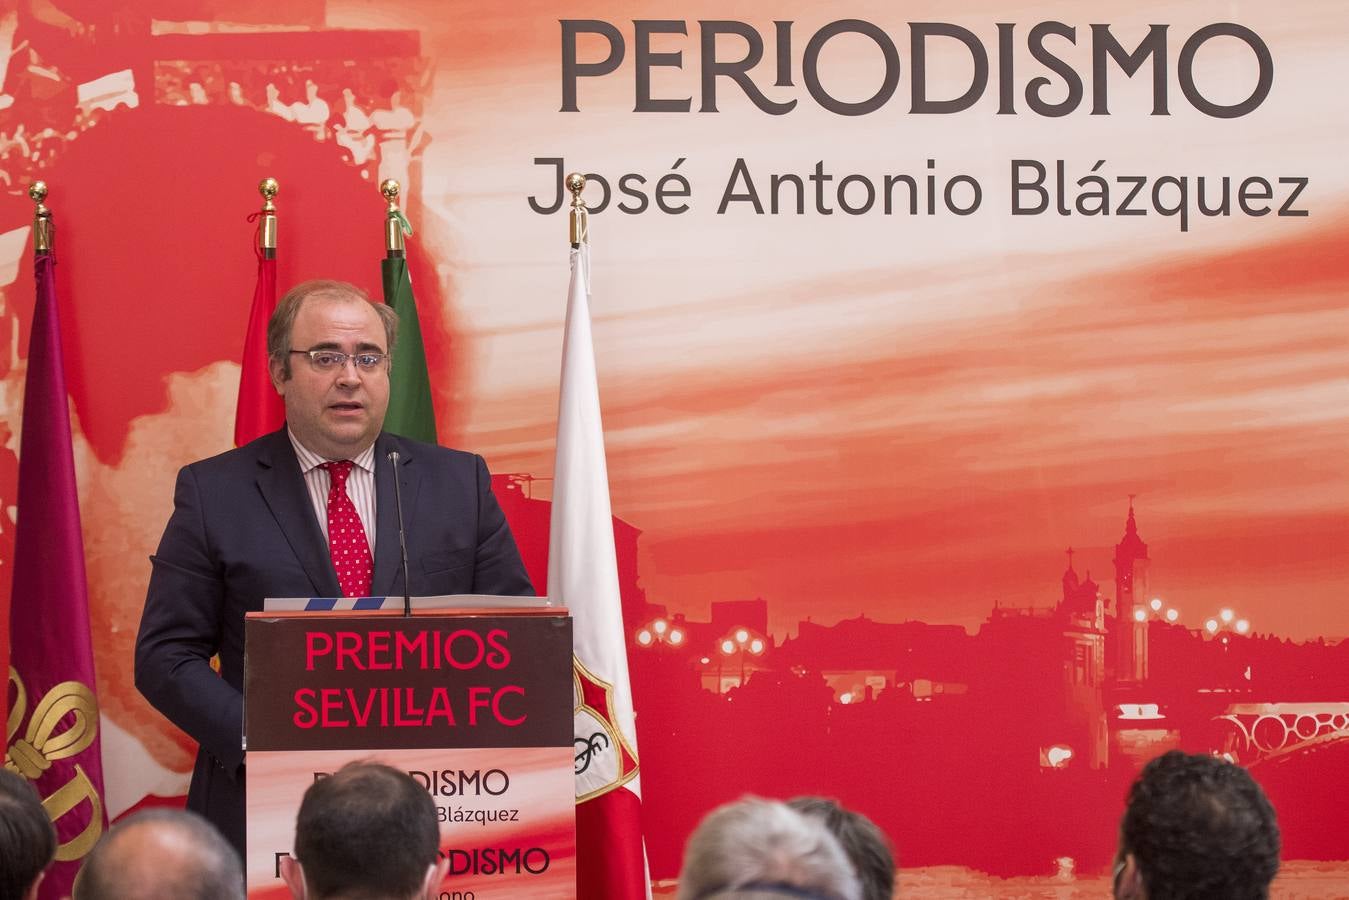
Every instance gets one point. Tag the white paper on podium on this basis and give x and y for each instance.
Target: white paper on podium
(444, 601)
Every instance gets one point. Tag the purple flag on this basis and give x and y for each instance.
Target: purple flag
(53, 719)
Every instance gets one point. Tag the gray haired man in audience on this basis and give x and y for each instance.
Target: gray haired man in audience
(868, 849)
(162, 854)
(757, 849)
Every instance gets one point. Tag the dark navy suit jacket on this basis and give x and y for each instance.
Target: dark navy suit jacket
(243, 529)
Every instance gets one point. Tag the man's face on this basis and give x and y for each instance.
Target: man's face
(336, 414)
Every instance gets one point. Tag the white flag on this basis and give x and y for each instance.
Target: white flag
(583, 576)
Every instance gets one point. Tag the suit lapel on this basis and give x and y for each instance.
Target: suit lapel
(388, 560)
(283, 489)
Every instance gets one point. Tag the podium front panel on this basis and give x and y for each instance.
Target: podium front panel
(477, 708)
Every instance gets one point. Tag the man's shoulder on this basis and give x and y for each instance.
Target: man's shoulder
(415, 450)
(268, 448)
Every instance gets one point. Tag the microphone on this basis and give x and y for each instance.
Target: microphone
(402, 533)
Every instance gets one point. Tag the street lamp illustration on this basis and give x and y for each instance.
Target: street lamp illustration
(1057, 756)
(744, 642)
(1157, 609)
(1227, 620)
(660, 631)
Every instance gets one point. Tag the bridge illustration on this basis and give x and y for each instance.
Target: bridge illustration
(1256, 733)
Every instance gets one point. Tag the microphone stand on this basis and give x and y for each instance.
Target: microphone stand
(402, 533)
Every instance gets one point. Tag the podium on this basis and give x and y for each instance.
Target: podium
(473, 702)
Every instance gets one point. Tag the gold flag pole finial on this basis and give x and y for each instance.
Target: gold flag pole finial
(268, 188)
(395, 223)
(42, 218)
(578, 223)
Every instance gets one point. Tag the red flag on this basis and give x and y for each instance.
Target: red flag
(53, 715)
(583, 576)
(260, 410)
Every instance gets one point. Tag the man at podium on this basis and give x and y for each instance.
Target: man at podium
(307, 511)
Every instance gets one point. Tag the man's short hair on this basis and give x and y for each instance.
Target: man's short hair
(27, 837)
(282, 322)
(762, 848)
(366, 830)
(161, 854)
(1199, 826)
(867, 847)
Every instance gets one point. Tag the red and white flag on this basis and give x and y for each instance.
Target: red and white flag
(583, 576)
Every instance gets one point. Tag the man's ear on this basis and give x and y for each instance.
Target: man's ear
(276, 368)
(292, 873)
(31, 893)
(1129, 881)
(435, 874)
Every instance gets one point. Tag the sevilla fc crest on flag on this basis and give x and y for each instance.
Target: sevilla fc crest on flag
(604, 760)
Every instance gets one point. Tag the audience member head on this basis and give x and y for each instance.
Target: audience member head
(27, 838)
(867, 847)
(1196, 827)
(161, 854)
(757, 849)
(366, 832)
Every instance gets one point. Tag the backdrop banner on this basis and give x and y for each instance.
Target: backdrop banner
(973, 376)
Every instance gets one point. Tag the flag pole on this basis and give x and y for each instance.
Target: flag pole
(578, 223)
(259, 410)
(50, 641)
(411, 412)
(42, 219)
(583, 576)
(268, 188)
(394, 221)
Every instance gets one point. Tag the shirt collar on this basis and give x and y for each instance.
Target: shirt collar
(309, 460)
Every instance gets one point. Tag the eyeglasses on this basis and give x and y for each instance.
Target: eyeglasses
(332, 360)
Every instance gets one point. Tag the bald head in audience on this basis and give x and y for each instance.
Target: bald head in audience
(162, 854)
(757, 849)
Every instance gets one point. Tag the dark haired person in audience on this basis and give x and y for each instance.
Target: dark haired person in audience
(366, 832)
(27, 838)
(867, 847)
(757, 849)
(1196, 827)
(161, 854)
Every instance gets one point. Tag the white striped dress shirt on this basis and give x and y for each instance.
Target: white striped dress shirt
(360, 486)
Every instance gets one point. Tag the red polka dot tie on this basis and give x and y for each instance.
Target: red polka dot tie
(346, 536)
